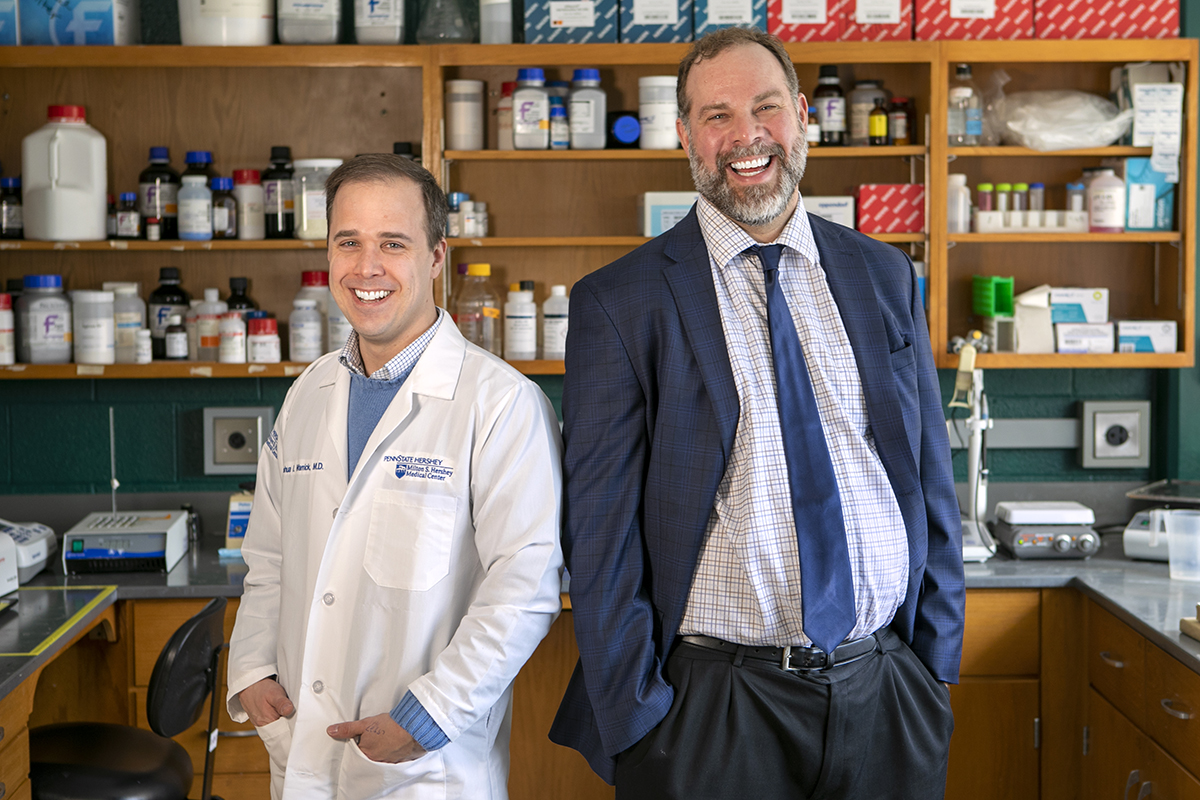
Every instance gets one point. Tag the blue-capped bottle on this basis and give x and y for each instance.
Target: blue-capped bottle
(158, 193)
(199, 162)
(560, 129)
(587, 108)
(531, 110)
(224, 209)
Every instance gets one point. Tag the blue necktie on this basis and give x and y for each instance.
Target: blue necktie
(827, 588)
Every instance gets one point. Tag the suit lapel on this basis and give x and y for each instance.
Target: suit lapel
(691, 282)
(846, 269)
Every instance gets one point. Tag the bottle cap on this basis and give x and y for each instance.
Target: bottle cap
(314, 277)
(92, 296)
(238, 285)
(123, 289)
(657, 81)
(626, 129)
(956, 179)
(5, 301)
(558, 290)
(174, 319)
(899, 100)
(531, 74)
(479, 270)
(1003, 187)
(513, 288)
(198, 157)
(111, 199)
(262, 326)
(557, 110)
(828, 71)
(1037, 186)
(195, 180)
(168, 274)
(246, 176)
(526, 286)
(962, 71)
(1021, 187)
(66, 114)
(281, 153)
(257, 314)
(222, 184)
(14, 285)
(317, 163)
(586, 74)
(985, 187)
(128, 197)
(43, 281)
(402, 149)
(455, 199)
(212, 295)
(507, 88)
(10, 183)
(301, 302)
(467, 207)
(143, 333)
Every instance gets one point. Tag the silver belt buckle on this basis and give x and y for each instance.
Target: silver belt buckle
(786, 664)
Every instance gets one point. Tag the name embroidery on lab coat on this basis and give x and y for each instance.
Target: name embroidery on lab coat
(310, 466)
(420, 467)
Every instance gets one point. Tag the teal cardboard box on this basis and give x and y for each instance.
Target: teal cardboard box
(1149, 199)
(711, 15)
(656, 20)
(67, 22)
(570, 21)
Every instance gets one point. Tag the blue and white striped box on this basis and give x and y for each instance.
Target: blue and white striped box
(570, 21)
(656, 20)
(712, 15)
(9, 32)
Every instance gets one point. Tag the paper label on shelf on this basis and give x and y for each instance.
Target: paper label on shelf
(312, 9)
(572, 14)
(972, 9)
(729, 12)
(581, 116)
(242, 9)
(655, 12)
(805, 12)
(877, 12)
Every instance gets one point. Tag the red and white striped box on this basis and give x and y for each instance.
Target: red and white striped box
(1013, 20)
(1106, 19)
(855, 31)
(780, 11)
(891, 208)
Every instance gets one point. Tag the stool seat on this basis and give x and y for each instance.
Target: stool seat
(72, 761)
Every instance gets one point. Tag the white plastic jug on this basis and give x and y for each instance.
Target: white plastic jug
(65, 179)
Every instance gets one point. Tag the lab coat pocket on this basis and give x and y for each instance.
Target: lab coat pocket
(277, 738)
(409, 539)
(364, 779)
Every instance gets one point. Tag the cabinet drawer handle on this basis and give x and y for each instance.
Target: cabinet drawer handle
(1169, 706)
(1115, 663)
(1145, 790)
(1130, 782)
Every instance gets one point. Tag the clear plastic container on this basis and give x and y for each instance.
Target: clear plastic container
(958, 204)
(262, 341)
(379, 21)
(195, 209)
(129, 316)
(309, 181)
(1106, 203)
(1004, 197)
(531, 111)
(43, 321)
(587, 107)
(309, 21)
(657, 112)
(862, 102)
(495, 22)
(232, 330)
(64, 171)
(1037, 197)
(208, 325)
(314, 285)
(464, 115)
(520, 326)
(554, 323)
(478, 309)
(249, 23)
(504, 116)
(95, 335)
(305, 327)
(1076, 197)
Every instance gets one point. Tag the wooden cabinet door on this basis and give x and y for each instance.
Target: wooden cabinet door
(992, 752)
(1115, 764)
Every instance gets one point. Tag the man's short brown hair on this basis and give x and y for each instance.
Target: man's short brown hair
(382, 167)
(718, 42)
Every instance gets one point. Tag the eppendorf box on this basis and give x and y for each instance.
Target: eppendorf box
(876, 20)
(805, 20)
(712, 15)
(658, 212)
(891, 208)
(974, 19)
(570, 21)
(63, 22)
(1106, 19)
(656, 20)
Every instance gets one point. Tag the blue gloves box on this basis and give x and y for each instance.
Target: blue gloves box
(1149, 199)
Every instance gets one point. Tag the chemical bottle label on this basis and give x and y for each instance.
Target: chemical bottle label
(308, 9)
(314, 205)
(159, 314)
(13, 219)
(369, 13)
(128, 324)
(554, 334)
(208, 329)
(655, 12)
(242, 9)
(195, 216)
(53, 327)
(158, 199)
(831, 114)
(860, 120)
(530, 115)
(220, 218)
(877, 125)
(129, 224)
(898, 121)
(572, 14)
(278, 197)
(581, 116)
(95, 334)
(493, 313)
(974, 122)
(177, 345)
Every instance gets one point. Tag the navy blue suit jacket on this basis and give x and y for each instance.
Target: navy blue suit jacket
(650, 410)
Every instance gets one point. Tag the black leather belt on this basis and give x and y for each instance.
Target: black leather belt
(793, 658)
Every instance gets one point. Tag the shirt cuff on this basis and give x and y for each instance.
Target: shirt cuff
(412, 716)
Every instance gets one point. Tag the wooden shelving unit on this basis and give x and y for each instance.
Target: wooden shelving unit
(558, 215)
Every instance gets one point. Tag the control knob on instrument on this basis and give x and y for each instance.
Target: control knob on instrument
(1088, 543)
(1062, 543)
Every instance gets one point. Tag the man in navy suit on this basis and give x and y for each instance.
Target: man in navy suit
(761, 526)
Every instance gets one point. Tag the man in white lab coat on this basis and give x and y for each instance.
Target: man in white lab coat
(404, 544)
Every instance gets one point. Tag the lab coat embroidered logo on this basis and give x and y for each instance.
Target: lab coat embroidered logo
(420, 467)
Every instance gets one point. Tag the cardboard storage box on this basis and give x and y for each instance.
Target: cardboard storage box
(570, 21)
(1082, 306)
(9, 32)
(658, 212)
(65, 22)
(656, 21)
(712, 15)
(834, 209)
(1149, 199)
(1073, 337)
(1106, 19)
(876, 20)
(1147, 336)
(805, 20)
(891, 208)
(974, 19)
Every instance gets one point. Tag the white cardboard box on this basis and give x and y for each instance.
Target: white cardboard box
(658, 212)
(833, 208)
(1072, 337)
(1147, 336)
(1079, 305)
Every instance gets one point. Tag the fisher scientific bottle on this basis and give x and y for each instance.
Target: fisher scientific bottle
(560, 129)
(158, 193)
(587, 106)
(195, 209)
(478, 311)
(379, 21)
(830, 105)
(129, 315)
(520, 324)
(208, 325)
(176, 339)
(95, 335)
(1106, 203)
(43, 321)
(531, 110)
(169, 298)
(224, 209)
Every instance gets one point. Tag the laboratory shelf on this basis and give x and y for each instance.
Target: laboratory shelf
(663, 155)
(1140, 236)
(1026, 152)
(144, 56)
(175, 245)
(1078, 360)
(156, 369)
(616, 241)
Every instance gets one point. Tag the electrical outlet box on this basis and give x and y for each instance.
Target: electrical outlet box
(233, 438)
(1116, 434)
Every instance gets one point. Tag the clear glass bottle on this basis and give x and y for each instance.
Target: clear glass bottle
(964, 117)
(861, 104)
(129, 219)
(12, 223)
(478, 310)
(877, 123)
(830, 104)
(279, 200)
(443, 22)
(224, 209)
(560, 129)
(158, 193)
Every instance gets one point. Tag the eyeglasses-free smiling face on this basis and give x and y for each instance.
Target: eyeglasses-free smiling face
(744, 137)
(381, 268)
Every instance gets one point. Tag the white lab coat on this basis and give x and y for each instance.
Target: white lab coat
(435, 569)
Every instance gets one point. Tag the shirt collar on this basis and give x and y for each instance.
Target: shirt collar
(400, 365)
(726, 240)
